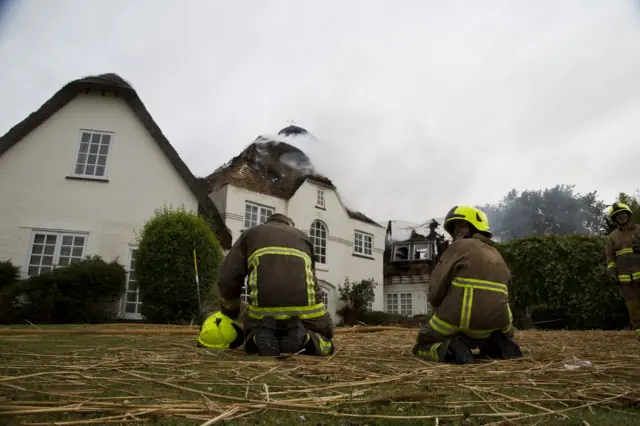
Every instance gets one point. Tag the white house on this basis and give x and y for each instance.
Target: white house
(272, 176)
(85, 171)
(411, 251)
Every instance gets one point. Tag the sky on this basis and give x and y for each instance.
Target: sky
(417, 105)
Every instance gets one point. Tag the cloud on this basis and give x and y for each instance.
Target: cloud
(418, 105)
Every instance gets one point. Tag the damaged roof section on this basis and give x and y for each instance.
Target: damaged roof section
(274, 168)
(401, 231)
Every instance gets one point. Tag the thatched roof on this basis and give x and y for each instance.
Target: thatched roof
(116, 84)
(273, 168)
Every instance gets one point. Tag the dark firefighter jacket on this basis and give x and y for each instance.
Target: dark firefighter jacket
(621, 260)
(468, 289)
(279, 265)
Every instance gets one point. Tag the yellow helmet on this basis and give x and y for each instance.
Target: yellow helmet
(218, 331)
(617, 208)
(471, 215)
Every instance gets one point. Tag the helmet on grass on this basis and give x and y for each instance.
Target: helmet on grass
(218, 331)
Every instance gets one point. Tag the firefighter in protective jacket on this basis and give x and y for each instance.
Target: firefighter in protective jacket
(469, 296)
(285, 312)
(623, 259)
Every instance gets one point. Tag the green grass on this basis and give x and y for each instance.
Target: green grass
(370, 375)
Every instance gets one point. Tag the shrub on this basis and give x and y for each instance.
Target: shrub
(165, 265)
(9, 273)
(387, 319)
(560, 282)
(355, 297)
(81, 292)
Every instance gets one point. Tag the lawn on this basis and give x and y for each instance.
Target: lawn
(372, 379)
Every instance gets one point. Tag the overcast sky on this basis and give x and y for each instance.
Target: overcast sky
(418, 105)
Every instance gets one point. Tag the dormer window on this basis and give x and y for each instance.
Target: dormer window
(405, 252)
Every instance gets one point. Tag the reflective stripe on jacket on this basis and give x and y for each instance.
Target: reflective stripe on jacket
(279, 265)
(620, 258)
(468, 289)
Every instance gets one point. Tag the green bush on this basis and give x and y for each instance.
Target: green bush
(384, 318)
(9, 273)
(355, 297)
(165, 267)
(560, 282)
(85, 291)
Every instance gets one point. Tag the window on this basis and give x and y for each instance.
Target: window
(392, 303)
(405, 304)
(325, 298)
(318, 234)
(320, 198)
(363, 243)
(369, 306)
(93, 152)
(255, 214)
(50, 249)
(132, 303)
(400, 303)
(401, 252)
(412, 251)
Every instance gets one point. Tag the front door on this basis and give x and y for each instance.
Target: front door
(130, 304)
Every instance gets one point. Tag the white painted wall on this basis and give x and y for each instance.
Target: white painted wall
(36, 194)
(341, 263)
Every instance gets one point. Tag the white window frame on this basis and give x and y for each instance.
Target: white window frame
(262, 214)
(392, 303)
(360, 244)
(405, 306)
(320, 201)
(80, 151)
(319, 242)
(137, 314)
(399, 303)
(325, 297)
(369, 307)
(60, 235)
(244, 296)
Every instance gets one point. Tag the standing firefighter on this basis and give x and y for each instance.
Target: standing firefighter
(285, 312)
(469, 295)
(623, 259)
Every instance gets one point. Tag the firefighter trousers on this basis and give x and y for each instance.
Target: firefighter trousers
(631, 294)
(291, 336)
(433, 345)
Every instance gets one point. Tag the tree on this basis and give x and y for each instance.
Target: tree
(633, 201)
(165, 264)
(356, 296)
(552, 211)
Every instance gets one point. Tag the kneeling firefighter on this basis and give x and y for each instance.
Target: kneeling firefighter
(285, 312)
(469, 295)
(623, 259)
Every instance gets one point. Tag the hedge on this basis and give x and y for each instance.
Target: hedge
(561, 282)
(85, 291)
(165, 266)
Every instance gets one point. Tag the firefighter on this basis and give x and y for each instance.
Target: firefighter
(469, 296)
(622, 253)
(285, 313)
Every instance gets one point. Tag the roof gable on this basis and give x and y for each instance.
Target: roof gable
(116, 84)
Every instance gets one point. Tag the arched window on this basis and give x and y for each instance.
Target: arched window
(318, 234)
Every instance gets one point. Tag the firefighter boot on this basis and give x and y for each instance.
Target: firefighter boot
(501, 346)
(458, 352)
(294, 339)
(265, 338)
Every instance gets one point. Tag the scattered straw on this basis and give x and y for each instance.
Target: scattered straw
(141, 374)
